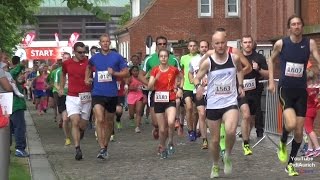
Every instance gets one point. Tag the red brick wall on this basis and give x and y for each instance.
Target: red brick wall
(310, 12)
(175, 21)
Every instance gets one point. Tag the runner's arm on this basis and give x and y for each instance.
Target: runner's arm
(274, 54)
(314, 51)
(247, 68)
(203, 69)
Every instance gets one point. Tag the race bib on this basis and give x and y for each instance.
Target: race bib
(118, 85)
(161, 96)
(294, 69)
(85, 97)
(222, 88)
(249, 84)
(104, 76)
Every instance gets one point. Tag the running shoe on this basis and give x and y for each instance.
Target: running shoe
(170, 149)
(112, 138)
(204, 144)
(282, 152)
(137, 130)
(78, 156)
(103, 154)
(67, 142)
(227, 164)
(164, 154)
(316, 153)
(309, 153)
(291, 170)
(214, 172)
(246, 149)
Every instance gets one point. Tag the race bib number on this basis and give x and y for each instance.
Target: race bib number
(161, 96)
(104, 76)
(294, 69)
(85, 97)
(118, 85)
(222, 88)
(249, 84)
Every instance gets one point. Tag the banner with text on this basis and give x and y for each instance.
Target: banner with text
(43, 53)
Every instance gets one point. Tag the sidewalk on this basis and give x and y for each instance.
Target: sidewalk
(133, 156)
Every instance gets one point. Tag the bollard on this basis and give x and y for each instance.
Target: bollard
(4, 152)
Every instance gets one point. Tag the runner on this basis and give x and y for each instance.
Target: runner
(109, 65)
(149, 63)
(248, 104)
(200, 104)
(223, 69)
(164, 100)
(78, 100)
(135, 97)
(294, 52)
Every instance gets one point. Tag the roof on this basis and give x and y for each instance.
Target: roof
(135, 20)
(62, 3)
(65, 11)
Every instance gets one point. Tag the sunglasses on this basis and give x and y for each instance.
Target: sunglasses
(162, 44)
(81, 52)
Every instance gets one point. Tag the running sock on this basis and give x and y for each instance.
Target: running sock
(245, 142)
(222, 137)
(284, 136)
(118, 117)
(294, 150)
(78, 147)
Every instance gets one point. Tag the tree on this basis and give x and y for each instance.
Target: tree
(125, 17)
(15, 13)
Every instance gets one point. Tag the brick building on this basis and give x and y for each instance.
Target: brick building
(266, 21)
(197, 19)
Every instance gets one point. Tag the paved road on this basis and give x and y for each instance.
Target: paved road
(133, 156)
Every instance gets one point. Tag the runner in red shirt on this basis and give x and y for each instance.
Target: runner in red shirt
(163, 82)
(78, 100)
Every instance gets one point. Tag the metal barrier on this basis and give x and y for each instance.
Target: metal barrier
(273, 114)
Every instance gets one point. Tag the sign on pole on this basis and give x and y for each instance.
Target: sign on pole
(6, 102)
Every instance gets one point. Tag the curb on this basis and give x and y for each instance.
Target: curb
(40, 167)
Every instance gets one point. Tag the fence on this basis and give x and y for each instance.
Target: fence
(273, 116)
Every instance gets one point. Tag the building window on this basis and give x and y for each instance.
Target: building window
(232, 8)
(205, 8)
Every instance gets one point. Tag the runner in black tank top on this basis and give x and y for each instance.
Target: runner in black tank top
(294, 54)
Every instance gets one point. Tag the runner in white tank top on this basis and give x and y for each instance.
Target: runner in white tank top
(222, 69)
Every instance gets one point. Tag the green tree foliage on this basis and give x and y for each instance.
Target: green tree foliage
(15, 13)
(125, 16)
(91, 6)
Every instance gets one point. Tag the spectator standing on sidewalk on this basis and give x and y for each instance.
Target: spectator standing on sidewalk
(17, 119)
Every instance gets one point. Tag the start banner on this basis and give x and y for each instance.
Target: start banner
(40, 53)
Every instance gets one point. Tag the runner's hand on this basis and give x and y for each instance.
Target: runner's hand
(88, 81)
(271, 87)
(60, 92)
(110, 71)
(241, 91)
